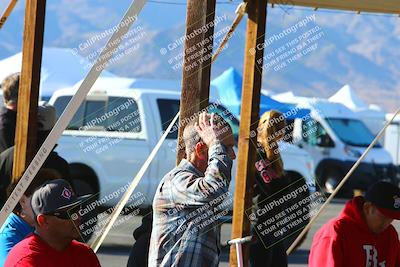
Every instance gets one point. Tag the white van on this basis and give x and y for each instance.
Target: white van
(392, 138)
(335, 138)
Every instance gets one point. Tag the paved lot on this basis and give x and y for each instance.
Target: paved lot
(115, 249)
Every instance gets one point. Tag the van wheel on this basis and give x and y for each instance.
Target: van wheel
(331, 180)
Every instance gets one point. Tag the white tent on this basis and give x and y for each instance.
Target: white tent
(290, 97)
(349, 98)
(60, 68)
(287, 97)
(372, 115)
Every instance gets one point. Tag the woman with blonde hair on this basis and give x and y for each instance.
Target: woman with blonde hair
(269, 181)
(271, 129)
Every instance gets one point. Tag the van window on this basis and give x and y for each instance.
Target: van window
(118, 114)
(313, 133)
(352, 132)
(168, 109)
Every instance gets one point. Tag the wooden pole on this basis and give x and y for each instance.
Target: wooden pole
(196, 69)
(249, 115)
(25, 133)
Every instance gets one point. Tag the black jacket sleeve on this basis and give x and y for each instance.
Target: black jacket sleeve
(8, 120)
(6, 165)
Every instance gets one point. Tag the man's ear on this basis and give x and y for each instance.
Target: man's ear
(41, 220)
(200, 150)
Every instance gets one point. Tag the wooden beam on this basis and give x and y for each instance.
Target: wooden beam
(25, 133)
(383, 6)
(249, 115)
(196, 69)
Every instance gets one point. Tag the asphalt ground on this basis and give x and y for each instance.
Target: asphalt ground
(116, 247)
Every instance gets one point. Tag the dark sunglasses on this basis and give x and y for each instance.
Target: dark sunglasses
(65, 214)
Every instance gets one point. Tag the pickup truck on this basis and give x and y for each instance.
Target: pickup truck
(115, 129)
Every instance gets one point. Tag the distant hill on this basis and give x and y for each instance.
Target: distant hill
(360, 50)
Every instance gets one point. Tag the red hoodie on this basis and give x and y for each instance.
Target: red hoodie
(346, 241)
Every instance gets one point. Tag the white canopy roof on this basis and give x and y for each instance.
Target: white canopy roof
(372, 115)
(290, 97)
(60, 68)
(349, 98)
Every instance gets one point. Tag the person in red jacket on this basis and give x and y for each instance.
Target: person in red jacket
(362, 235)
(56, 211)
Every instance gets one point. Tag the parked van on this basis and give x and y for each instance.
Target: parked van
(335, 138)
(104, 157)
(392, 139)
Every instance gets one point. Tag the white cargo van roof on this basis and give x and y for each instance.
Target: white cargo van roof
(390, 115)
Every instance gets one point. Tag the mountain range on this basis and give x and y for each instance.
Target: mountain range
(332, 49)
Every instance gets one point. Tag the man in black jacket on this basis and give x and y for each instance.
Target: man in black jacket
(139, 255)
(8, 113)
(46, 121)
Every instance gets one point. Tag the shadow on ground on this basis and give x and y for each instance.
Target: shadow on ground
(300, 256)
(115, 249)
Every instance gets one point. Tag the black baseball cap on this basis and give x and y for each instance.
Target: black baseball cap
(386, 197)
(55, 195)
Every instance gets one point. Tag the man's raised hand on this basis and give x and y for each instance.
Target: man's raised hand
(209, 129)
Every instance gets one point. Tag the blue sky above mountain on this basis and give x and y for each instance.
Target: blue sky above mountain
(360, 50)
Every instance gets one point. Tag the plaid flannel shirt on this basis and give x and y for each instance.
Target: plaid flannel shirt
(183, 196)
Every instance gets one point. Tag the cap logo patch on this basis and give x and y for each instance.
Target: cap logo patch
(396, 202)
(67, 193)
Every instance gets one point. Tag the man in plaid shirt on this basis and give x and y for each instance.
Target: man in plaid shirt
(185, 230)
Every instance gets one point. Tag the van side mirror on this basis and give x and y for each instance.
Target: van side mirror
(325, 141)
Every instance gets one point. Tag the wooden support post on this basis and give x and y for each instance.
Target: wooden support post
(25, 133)
(196, 68)
(252, 77)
